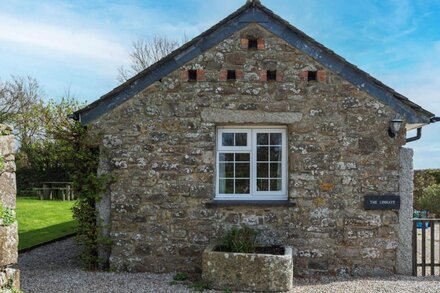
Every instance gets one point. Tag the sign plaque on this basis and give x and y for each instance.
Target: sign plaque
(381, 202)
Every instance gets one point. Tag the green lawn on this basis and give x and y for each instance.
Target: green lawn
(40, 221)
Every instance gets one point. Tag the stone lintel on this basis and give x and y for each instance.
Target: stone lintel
(241, 116)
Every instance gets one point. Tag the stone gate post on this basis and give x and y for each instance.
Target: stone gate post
(406, 188)
(9, 273)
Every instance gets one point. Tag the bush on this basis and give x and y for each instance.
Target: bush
(7, 215)
(242, 240)
(430, 199)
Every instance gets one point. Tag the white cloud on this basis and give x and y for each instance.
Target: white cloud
(60, 40)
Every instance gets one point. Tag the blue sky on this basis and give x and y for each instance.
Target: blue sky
(79, 45)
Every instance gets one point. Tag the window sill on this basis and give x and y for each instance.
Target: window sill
(250, 203)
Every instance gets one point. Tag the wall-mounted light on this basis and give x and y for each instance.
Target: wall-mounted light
(395, 126)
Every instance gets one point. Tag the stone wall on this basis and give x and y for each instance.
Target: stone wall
(9, 273)
(160, 148)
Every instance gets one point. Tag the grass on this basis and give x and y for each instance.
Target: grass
(40, 221)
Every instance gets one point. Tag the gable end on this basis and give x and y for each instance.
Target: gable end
(254, 12)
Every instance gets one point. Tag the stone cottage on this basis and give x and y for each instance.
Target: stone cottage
(253, 122)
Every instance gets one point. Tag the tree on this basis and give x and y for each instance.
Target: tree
(431, 199)
(21, 105)
(145, 54)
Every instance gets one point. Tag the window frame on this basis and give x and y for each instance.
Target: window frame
(251, 148)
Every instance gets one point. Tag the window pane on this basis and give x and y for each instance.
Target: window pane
(263, 170)
(241, 139)
(262, 154)
(224, 157)
(262, 185)
(242, 170)
(275, 170)
(226, 170)
(275, 153)
(262, 138)
(275, 185)
(226, 186)
(242, 157)
(275, 139)
(227, 139)
(242, 186)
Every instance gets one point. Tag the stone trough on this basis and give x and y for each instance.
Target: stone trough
(248, 271)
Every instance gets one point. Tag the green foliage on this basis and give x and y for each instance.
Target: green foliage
(422, 180)
(180, 277)
(7, 215)
(54, 148)
(435, 174)
(88, 187)
(241, 240)
(4, 132)
(46, 156)
(431, 199)
(2, 163)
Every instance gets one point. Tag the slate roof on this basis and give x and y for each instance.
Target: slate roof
(255, 12)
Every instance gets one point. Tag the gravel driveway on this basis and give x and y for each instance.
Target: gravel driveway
(53, 268)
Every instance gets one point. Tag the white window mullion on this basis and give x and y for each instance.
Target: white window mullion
(251, 149)
(254, 164)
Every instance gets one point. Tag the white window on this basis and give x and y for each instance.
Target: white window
(251, 163)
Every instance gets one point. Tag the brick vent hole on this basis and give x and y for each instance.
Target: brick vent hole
(312, 75)
(253, 44)
(192, 75)
(271, 75)
(232, 75)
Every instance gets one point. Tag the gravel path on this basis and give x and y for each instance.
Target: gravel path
(53, 268)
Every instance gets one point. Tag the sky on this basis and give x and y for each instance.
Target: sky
(78, 45)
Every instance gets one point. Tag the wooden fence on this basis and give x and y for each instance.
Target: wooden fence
(426, 248)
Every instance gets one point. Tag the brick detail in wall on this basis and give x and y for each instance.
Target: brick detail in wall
(184, 75)
(244, 43)
(303, 75)
(280, 76)
(321, 76)
(200, 75)
(263, 75)
(260, 44)
(223, 75)
(239, 74)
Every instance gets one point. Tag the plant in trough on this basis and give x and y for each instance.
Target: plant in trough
(241, 240)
